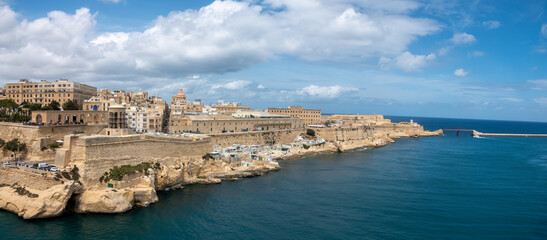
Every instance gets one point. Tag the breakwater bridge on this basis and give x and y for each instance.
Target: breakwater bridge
(480, 134)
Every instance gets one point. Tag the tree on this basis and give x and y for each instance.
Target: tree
(71, 105)
(33, 106)
(47, 107)
(310, 132)
(2, 142)
(8, 104)
(55, 105)
(15, 146)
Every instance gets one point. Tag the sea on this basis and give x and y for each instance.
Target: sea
(446, 187)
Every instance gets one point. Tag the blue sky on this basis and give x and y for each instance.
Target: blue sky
(440, 58)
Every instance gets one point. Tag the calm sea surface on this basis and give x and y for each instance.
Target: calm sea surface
(449, 187)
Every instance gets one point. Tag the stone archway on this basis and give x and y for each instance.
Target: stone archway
(74, 118)
(59, 118)
(67, 118)
(95, 118)
(39, 118)
(82, 118)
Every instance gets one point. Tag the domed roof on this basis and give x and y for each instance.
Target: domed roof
(180, 94)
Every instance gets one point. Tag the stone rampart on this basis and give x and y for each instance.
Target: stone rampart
(37, 137)
(95, 155)
(392, 130)
(256, 138)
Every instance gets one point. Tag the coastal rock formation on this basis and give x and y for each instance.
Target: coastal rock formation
(104, 201)
(31, 195)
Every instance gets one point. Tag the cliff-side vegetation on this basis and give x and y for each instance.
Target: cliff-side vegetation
(117, 173)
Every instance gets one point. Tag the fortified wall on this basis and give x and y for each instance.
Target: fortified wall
(95, 155)
(37, 137)
(256, 138)
(391, 130)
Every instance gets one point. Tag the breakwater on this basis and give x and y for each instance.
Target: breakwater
(480, 134)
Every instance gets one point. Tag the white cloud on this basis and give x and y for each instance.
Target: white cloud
(539, 84)
(511, 99)
(544, 30)
(541, 100)
(407, 61)
(233, 85)
(328, 92)
(463, 38)
(111, 1)
(476, 54)
(491, 24)
(260, 86)
(460, 72)
(221, 37)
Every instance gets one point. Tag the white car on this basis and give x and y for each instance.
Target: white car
(54, 169)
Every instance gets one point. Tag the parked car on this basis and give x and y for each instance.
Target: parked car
(54, 169)
(5, 163)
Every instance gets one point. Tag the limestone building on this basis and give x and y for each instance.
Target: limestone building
(221, 123)
(44, 92)
(223, 107)
(309, 116)
(352, 120)
(69, 117)
(117, 124)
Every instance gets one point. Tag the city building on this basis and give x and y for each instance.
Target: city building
(44, 92)
(97, 103)
(223, 107)
(352, 120)
(221, 123)
(2, 94)
(145, 120)
(69, 117)
(309, 116)
(117, 124)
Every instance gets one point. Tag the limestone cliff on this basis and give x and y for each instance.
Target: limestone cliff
(31, 195)
(139, 188)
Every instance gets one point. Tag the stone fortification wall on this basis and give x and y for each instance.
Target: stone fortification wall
(394, 130)
(95, 155)
(37, 137)
(256, 138)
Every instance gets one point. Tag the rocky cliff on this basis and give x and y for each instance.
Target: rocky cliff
(33, 195)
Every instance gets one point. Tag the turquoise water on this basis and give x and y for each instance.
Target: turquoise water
(446, 187)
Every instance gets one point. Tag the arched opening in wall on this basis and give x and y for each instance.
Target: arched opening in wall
(95, 118)
(67, 118)
(102, 118)
(81, 118)
(39, 118)
(74, 118)
(59, 118)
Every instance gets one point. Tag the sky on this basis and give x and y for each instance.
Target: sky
(439, 58)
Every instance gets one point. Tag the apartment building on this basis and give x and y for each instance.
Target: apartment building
(309, 116)
(44, 92)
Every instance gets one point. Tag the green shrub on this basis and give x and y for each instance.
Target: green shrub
(53, 145)
(208, 156)
(310, 132)
(66, 175)
(306, 146)
(117, 173)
